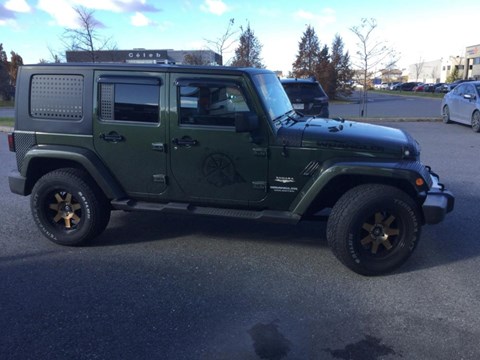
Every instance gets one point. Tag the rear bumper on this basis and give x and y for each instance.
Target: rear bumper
(17, 183)
(438, 203)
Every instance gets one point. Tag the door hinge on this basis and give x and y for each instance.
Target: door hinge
(260, 185)
(159, 147)
(260, 152)
(160, 178)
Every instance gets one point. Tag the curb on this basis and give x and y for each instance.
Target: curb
(6, 129)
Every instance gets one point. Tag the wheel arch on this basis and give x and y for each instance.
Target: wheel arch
(324, 191)
(39, 161)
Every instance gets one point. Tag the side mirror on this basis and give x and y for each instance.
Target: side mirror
(245, 122)
(469, 97)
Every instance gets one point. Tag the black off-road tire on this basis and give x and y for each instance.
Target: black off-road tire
(446, 115)
(374, 228)
(68, 207)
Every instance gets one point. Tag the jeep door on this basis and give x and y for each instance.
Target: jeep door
(129, 129)
(210, 161)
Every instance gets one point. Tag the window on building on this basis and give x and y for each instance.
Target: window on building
(210, 104)
(449, 67)
(129, 99)
(476, 61)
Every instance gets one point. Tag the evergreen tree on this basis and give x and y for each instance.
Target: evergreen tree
(308, 54)
(15, 62)
(5, 84)
(324, 71)
(342, 73)
(247, 54)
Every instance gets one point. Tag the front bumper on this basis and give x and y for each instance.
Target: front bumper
(438, 202)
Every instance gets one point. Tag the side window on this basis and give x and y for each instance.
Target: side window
(210, 104)
(459, 90)
(469, 90)
(129, 99)
(58, 97)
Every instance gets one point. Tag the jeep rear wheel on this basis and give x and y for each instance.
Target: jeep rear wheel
(68, 208)
(373, 228)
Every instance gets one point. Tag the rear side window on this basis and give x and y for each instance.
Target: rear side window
(57, 97)
(129, 99)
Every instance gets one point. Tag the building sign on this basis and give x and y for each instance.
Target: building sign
(473, 51)
(146, 54)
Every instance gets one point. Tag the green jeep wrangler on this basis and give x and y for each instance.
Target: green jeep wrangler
(218, 141)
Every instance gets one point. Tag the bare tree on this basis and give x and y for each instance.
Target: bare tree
(371, 53)
(86, 37)
(419, 68)
(221, 44)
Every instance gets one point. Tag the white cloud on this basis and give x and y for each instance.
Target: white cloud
(325, 17)
(61, 11)
(217, 7)
(140, 20)
(18, 6)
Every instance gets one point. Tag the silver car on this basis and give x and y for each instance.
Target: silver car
(462, 105)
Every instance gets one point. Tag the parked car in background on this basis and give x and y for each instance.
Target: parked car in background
(307, 96)
(395, 86)
(462, 105)
(420, 87)
(408, 86)
(432, 87)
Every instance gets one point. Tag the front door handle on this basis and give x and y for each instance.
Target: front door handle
(112, 137)
(185, 141)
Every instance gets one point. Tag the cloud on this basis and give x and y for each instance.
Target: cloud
(141, 20)
(63, 13)
(121, 6)
(17, 6)
(217, 7)
(325, 17)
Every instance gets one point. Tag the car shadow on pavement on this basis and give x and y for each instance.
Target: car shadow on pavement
(129, 228)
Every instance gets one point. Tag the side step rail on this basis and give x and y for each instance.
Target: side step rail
(173, 207)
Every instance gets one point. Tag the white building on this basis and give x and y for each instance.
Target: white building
(436, 71)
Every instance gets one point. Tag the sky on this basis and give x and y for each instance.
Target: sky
(418, 30)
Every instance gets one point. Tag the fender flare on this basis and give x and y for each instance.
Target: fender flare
(390, 170)
(82, 156)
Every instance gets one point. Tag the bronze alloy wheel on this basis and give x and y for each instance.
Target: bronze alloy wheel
(374, 228)
(68, 207)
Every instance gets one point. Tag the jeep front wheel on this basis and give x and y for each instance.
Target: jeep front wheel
(373, 228)
(68, 207)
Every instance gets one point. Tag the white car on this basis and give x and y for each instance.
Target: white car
(462, 105)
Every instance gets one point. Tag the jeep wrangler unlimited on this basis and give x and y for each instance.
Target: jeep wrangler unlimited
(218, 141)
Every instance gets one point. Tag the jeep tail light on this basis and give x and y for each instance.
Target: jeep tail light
(11, 142)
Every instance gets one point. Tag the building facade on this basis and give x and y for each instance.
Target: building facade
(472, 62)
(143, 56)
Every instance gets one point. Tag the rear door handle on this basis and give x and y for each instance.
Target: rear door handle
(112, 137)
(185, 141)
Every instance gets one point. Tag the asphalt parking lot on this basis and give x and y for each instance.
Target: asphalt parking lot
(171, 287)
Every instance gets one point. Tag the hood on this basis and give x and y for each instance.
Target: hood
(360, 139)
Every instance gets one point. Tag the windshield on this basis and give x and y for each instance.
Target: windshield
(274, 98)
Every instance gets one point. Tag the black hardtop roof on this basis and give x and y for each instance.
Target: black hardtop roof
(151, 67)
